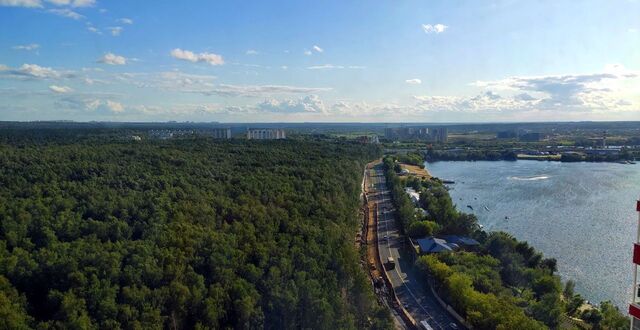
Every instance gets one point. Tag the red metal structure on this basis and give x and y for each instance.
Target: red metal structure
(634, 307)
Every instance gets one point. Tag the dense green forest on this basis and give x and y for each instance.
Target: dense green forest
(504, 283)
(194, 233)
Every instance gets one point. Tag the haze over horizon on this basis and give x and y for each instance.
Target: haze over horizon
(285, 61)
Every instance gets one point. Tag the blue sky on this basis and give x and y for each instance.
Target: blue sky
(382, 61)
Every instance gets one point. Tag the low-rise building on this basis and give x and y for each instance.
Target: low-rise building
(434, 134)
(366, 139)
(162, 134)
(266, 134)
(220, 133)
(447, 243)
(413, 195)
(434, 245)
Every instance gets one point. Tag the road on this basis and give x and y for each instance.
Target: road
(414, 294)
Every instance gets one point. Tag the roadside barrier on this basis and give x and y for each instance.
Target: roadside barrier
(450, 309)
(404, 314)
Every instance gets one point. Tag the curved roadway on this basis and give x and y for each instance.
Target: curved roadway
(414, 294)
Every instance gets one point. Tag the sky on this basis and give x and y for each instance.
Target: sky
(320, 61)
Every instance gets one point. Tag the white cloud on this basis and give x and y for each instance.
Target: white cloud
(332, 66)
(114, 106)
(83, 3)
(613, 90)
(125, 20)
(309, 103)
(21, 3)
(107, 106)
(26, 47)
(364, 109)
(68, 13)
(115, 30)
(252, 52)
(173, 81)
(33, 71)
(632, 30)
(414, 81)
(92, 81)
(112, 59)
(435, 28)
(73, 3)
(176, 80)
(565, 92)
(257, 91)
(325, 66)
(93, 29)
(308, 52)
(284, 67)
(60, 89)
(38, 4)
(318, 49)
(186, 55)
(183, 109)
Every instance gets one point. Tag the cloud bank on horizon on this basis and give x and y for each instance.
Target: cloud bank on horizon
(289, 61)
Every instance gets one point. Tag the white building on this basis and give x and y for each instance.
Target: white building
(265, 134)
(220, 133)
(414, 195)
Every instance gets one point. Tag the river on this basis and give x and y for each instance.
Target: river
(582, 214)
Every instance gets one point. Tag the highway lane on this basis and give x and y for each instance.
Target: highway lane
(413, 294)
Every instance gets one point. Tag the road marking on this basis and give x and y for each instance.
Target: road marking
(429, 317)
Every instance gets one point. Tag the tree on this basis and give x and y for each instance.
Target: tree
(592, 316)
(97, 232)
(422, 228)
(569, 288)
(612, 319)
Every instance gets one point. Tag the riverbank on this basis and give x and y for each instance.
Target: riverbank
(585, 207)
(573, 305)
(418, 171)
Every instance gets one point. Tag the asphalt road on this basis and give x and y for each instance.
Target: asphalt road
(412, 293)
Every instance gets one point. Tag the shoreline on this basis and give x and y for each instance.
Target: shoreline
(496, 226)
(538, 159)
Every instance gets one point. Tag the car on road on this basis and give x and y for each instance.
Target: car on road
(425, 326)
(391, 263)
(453, 326)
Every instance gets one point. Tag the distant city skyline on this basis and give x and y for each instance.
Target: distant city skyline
(329, 61)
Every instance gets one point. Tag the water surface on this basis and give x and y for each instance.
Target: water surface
(582, 214)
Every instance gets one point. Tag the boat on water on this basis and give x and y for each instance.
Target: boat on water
(486, 208)
(506, 218)
(471, 207)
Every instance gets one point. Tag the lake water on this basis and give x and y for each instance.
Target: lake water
(582, 214)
